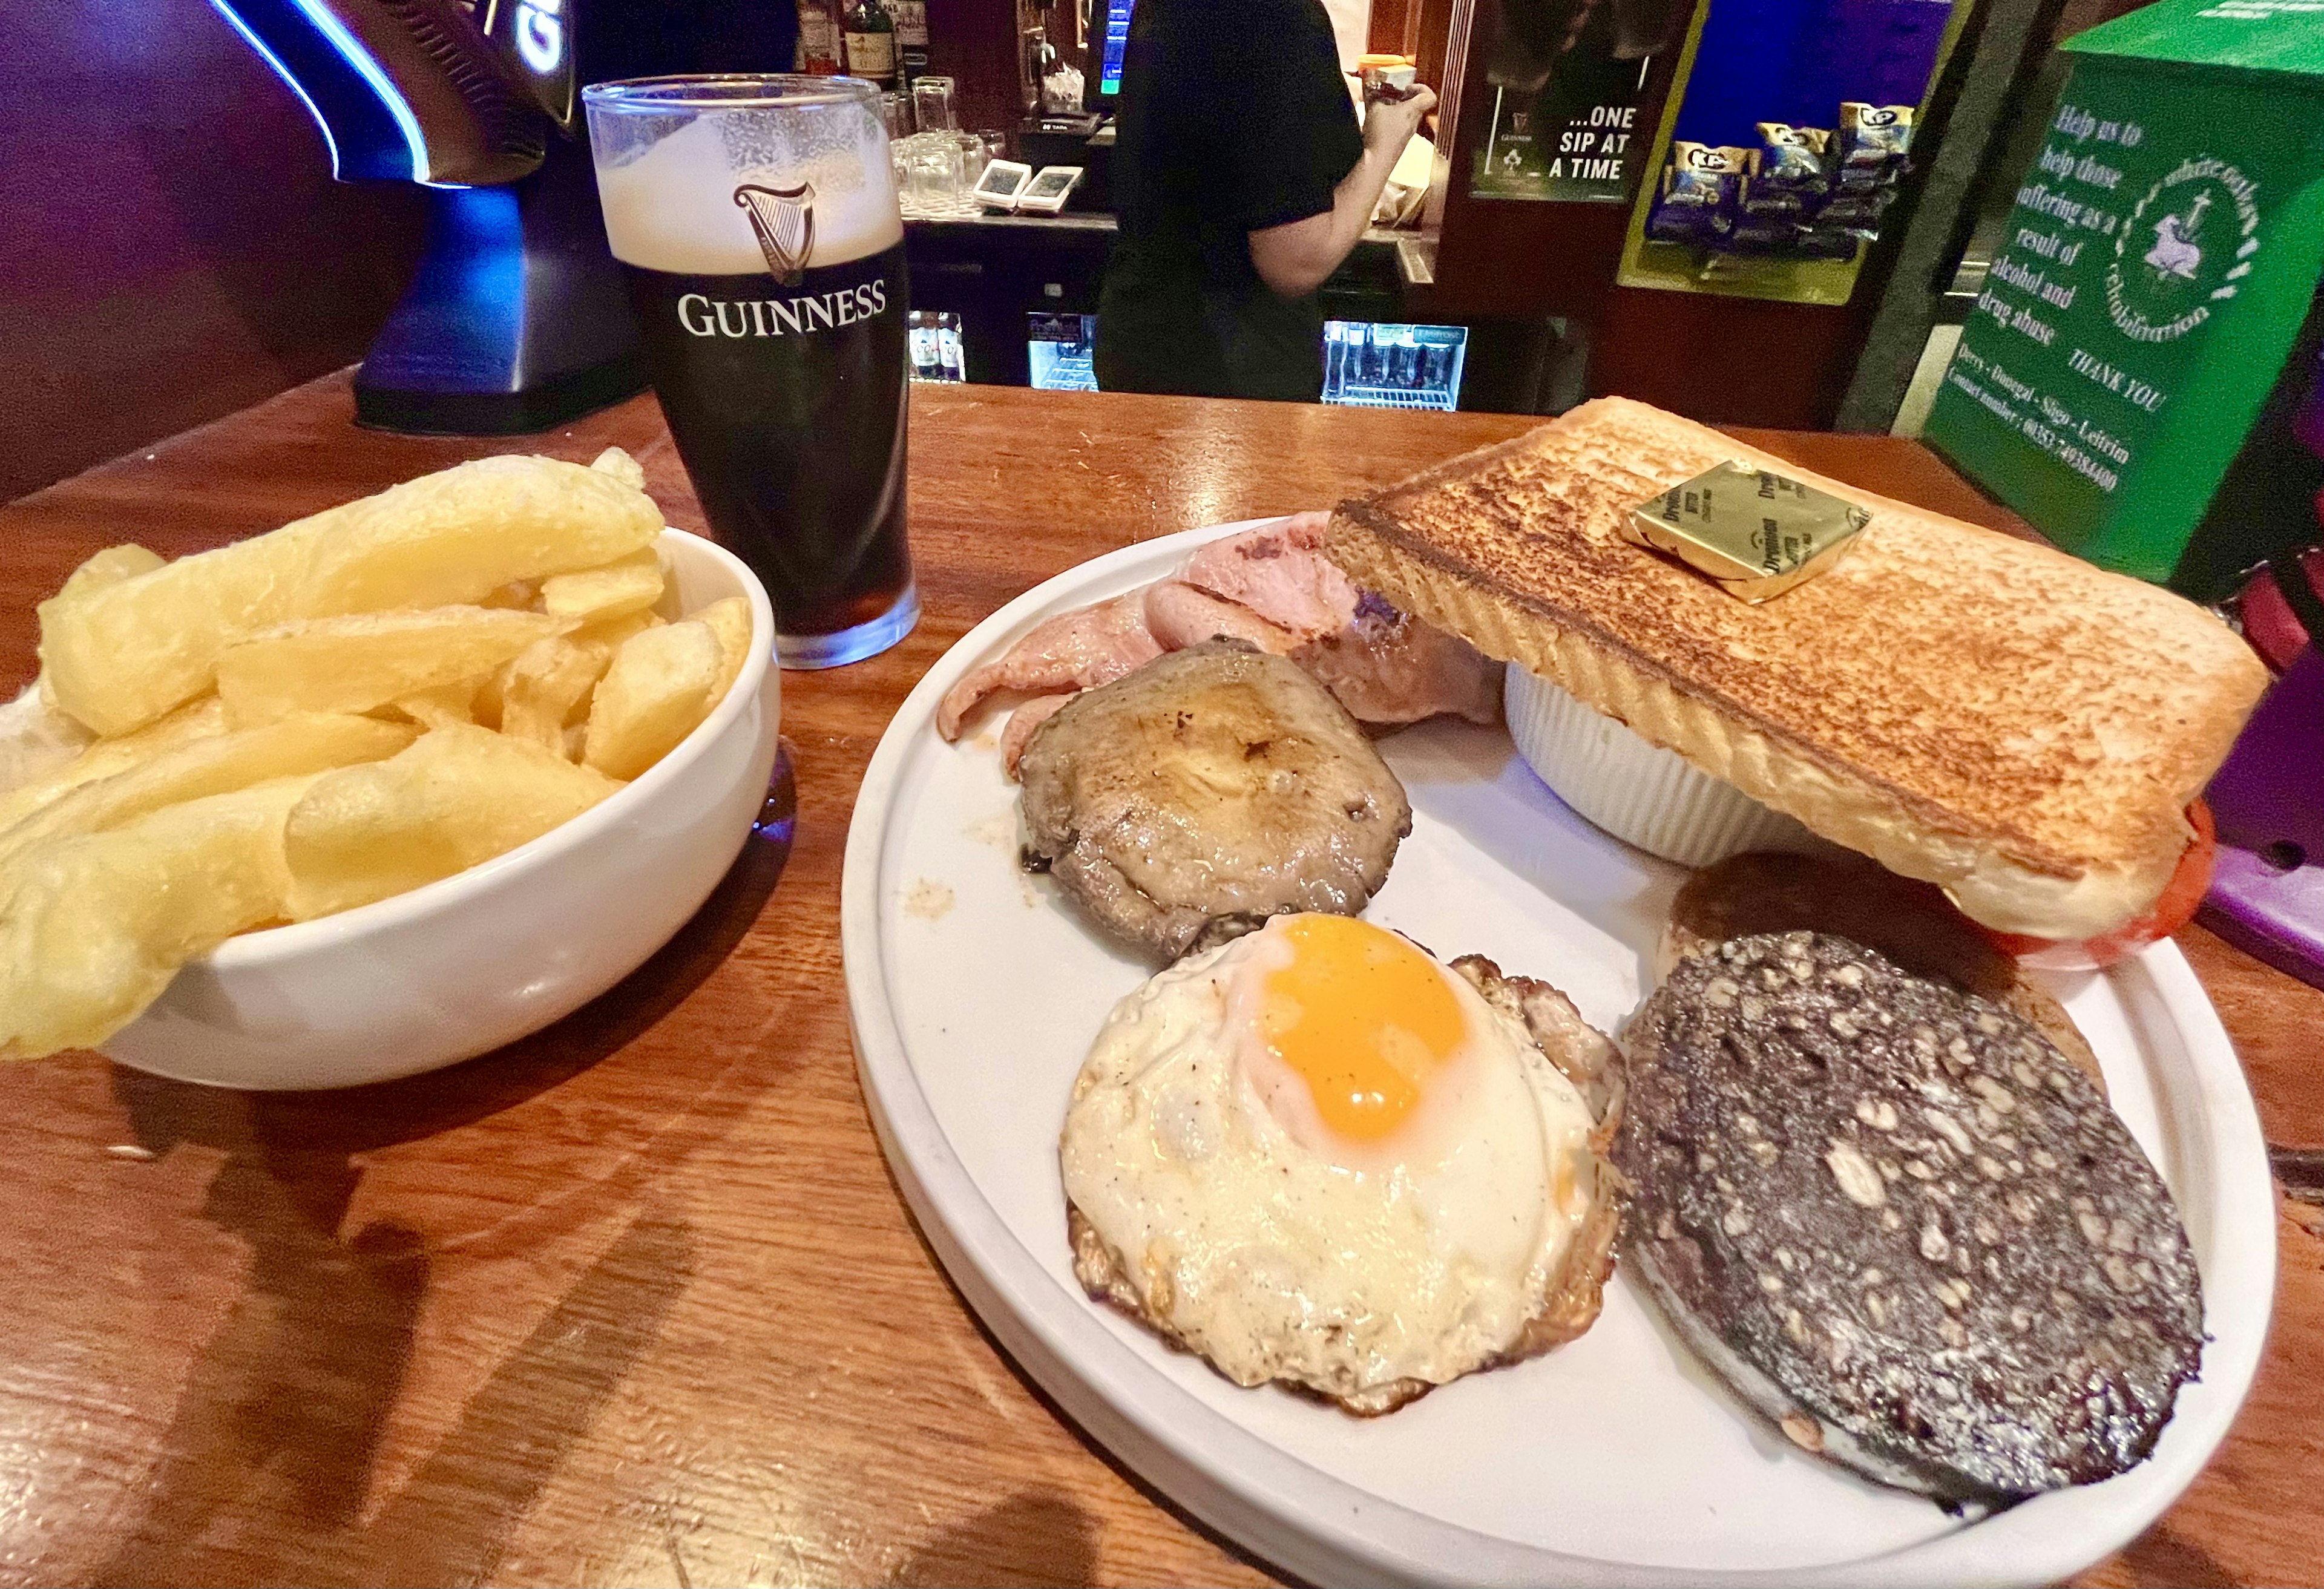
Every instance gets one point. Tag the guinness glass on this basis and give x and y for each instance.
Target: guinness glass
(757, 218)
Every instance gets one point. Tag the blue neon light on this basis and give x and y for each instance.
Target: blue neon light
(282, 71)
(356, 56)
(370, 129)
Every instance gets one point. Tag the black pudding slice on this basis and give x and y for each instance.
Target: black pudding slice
(1900, 1223)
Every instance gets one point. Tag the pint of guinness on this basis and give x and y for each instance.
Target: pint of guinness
(757, 218)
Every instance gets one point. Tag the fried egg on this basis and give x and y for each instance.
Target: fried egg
(1316, 1154)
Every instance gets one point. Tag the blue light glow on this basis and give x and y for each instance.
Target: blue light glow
(352, 51)
(282, 71)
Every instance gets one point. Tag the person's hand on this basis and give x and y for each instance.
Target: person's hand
(1389, 123)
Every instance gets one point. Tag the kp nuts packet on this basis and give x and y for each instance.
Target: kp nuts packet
(1786, 181)
(1874, 140)
(1802, 192)
(1869, 154)
(1701, 187)
(1791, 159)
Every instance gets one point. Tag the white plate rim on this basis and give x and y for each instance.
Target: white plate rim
(1324, 1529)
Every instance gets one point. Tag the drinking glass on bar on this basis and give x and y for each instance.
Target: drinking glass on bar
(932, 109)
(973, 158)
(931, 165)
(896, 114)
(757, 222)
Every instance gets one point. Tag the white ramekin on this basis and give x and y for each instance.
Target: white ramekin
(1640, 793)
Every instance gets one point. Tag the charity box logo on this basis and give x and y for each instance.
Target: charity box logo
(2185, 251)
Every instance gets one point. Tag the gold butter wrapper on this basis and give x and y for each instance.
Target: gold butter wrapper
(1754, 532)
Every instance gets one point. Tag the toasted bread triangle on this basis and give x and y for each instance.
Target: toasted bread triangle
(1992, 715)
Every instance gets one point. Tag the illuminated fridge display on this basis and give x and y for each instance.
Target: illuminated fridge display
(1062, 350)
(934, 341)
(1379, 365)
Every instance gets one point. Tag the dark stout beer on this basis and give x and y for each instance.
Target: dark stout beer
(788, 405)
(758, 220)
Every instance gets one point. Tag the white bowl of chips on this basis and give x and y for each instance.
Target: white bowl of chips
(381, 790)
(459, 967)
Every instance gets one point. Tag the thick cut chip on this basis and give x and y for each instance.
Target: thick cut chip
(306, 743)
(609, 636)
(366, 659)
(619, 464)
(658, 688)
(628, 584)
(36, 740)
(36, 736)
(107, 569)
(614, 633)
(103, 571)
(99, 924)
(484, 710)
(453, 703)
(730, 619)
(199, 721)
(459, 796)
(549, 685)
(124, 655)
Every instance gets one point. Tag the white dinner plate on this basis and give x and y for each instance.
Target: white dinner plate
(974, 994)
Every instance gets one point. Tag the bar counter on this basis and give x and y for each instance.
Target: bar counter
(635, 1300)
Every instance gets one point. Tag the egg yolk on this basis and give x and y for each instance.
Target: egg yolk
(1363, 1018)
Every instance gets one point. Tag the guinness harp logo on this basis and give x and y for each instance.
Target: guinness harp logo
(784, 219)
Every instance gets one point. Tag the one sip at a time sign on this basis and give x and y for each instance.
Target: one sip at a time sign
(2165, 248)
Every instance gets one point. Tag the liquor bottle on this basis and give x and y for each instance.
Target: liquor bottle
(818, 39)
(912, 37)
(870, 35)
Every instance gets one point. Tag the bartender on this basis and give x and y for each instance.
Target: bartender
(1242, 179)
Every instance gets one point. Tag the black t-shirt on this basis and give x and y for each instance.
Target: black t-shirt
(1234, 118)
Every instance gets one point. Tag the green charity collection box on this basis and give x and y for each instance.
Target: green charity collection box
(2162, 253)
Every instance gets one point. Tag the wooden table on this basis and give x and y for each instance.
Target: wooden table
(635, 1301)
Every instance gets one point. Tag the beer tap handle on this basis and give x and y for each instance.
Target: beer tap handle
(413, 89)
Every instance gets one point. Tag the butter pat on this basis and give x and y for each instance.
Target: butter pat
(1754, 532)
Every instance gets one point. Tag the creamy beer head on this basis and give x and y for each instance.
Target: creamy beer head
(678, 183)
